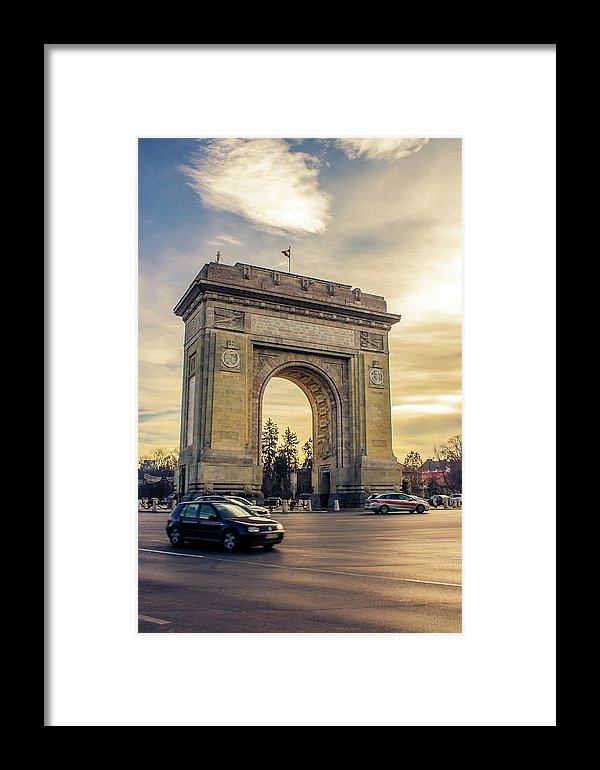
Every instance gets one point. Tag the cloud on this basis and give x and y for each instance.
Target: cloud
(220, 240)
(387, 149)
(263, 181)
(425, 409)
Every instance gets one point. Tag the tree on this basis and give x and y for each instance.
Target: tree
(165, 459)
(290, 449)
(412, 470)
(270, 439)
(307, 449)
(159, 468)
(169, 458)
(278, 460)
(449, 455)
(280, 479)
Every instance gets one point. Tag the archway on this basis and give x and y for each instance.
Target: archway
(287, 407)
(329, 419)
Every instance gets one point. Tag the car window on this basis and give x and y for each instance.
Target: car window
(205, 511)
(189, 511)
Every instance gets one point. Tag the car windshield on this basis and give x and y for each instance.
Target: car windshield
(232, 511)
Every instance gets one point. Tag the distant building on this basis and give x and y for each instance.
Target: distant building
(433, 470)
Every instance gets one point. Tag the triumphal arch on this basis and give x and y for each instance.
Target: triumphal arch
(246, 324)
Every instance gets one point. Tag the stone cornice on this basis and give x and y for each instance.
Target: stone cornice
(367, 320)
(202, 289)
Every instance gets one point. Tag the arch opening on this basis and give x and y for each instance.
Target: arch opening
(288, 407)
(326, 419)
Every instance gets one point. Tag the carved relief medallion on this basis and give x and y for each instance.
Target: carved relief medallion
(375, 377)
(230, 359)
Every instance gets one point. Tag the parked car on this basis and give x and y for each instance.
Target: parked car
(223, 522)
(437, 500)
(272, 502)
(301, 501)
(397, 501)
(455, 501)
(257, 510)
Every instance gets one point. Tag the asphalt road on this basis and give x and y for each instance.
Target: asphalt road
(346, 571)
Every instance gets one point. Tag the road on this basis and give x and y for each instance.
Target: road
(337, 572)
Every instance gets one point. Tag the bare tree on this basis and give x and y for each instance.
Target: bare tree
(449, 457)
(162, 458)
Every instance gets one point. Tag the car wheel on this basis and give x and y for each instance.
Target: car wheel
(384, 509)
(175, 537)
(230, 541)
(420, 509)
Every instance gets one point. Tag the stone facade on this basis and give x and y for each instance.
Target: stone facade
(245, 325)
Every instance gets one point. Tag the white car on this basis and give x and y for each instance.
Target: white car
(396, 501)
(255, 510)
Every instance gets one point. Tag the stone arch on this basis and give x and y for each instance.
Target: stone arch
(329, 417)
(325, 403)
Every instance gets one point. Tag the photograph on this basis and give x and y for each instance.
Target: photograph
(299, 384)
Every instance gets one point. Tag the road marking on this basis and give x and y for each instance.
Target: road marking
(158, 621)
(305, 569)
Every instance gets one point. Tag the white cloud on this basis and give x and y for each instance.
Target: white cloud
(425, 409)
(220, 240)
(451, 398)
(262, 180)
(388, 149)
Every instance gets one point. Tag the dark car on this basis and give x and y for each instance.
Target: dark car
(272, 502)
(437, 501)
(222, 522)
(301, 501)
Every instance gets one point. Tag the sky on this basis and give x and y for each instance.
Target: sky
(381, 214)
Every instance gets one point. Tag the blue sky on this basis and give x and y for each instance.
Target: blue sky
(383, 214)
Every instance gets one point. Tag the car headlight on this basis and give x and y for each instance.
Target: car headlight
(253, 529)
(279, 526)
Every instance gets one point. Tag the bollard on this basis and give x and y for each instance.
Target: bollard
(309, 505)
(253, 502)
(173, 504)
(336, 505)
(285, 506)
(154, 502)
